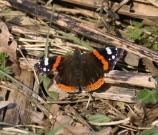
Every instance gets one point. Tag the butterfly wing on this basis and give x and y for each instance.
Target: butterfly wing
(45, 66)
(97, 63)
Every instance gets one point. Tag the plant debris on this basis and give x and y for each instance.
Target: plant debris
(32, 104)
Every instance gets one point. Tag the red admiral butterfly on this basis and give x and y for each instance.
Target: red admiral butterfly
(80, 71)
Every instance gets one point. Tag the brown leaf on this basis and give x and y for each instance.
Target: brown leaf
(132, 59)
(150, 66)
(37, 117)
(61, 119)
(78, 129)
(9, 49)
(4, 40)
(3, 104)
(54, 109)
(15, 68)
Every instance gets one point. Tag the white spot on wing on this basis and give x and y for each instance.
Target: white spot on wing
(113, 56)
(108, 50)
(44, 69)
(46, 62)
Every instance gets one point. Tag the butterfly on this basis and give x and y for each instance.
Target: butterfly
(80, 71)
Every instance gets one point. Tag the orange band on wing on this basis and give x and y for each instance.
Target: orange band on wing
(66, 88)
(102, 59)
(56, 64)
(95, 85)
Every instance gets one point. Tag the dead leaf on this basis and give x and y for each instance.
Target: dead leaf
(59, 120)
(37, 117)
(106, 131)
(78, 129)
(16, 69)
(3, 104)
(132, 59)
(9, 49)
(62, 119)
(150, 66)
(54, 109)
(4, 40)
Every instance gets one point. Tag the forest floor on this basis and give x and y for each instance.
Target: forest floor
(31, 102)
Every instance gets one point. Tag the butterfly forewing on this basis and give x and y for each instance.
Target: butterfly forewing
(45, 66)
(111, 55)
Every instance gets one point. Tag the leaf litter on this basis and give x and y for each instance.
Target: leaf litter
(102, 116)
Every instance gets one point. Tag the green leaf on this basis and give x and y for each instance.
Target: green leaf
(148, 97)
(3, 67)
(53, 95)
(153, 131)
(55, 130)
(152, 29)
(3, 57)
(137, 24)
(135, 34)
(46, 82)
(99, 118)
(147, 44)
(155, 47)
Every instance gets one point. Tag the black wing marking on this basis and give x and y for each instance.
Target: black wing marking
(44, 66)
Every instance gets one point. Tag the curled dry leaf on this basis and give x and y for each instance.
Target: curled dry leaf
(150, 66)
(61, 121)
(54, 109)
(4, 40)
(132, 59)
(78, 129)
(3, 104)
(37, 117)
(11, 48)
